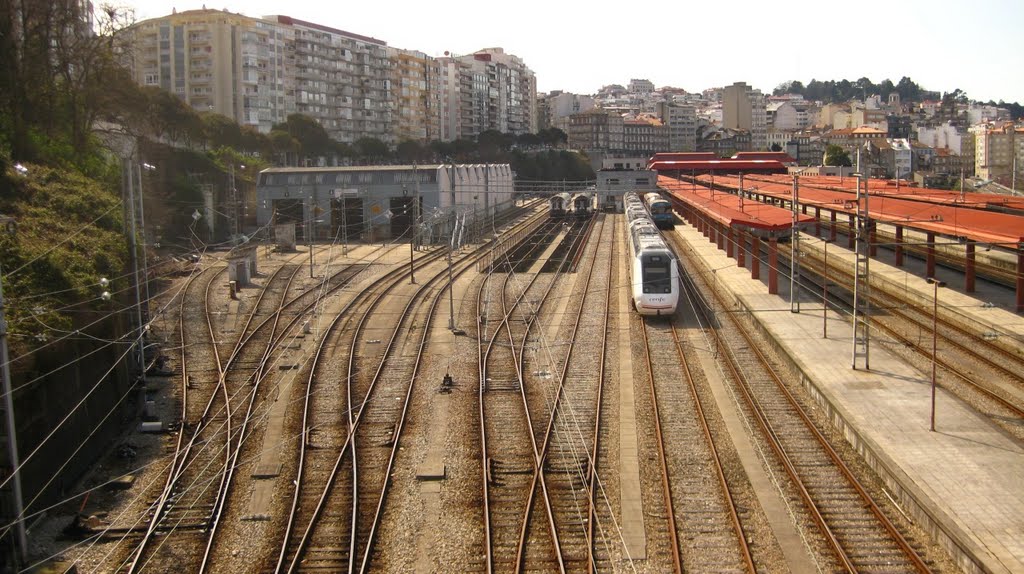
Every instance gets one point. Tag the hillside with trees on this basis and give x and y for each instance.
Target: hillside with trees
(832, 91)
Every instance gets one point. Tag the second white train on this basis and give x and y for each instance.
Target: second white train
(653, 270)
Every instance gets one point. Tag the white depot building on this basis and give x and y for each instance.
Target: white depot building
(374, 203)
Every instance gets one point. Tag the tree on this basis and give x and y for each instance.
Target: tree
(528, 140)
(411, 151)
(221, 131)
(311, 136)
(552, 136)
(284, 146)
(371, 150)
(835, 155)
(776, 147)
(908, 90)
(171, 118)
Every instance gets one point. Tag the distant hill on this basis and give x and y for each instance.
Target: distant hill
(832, 91)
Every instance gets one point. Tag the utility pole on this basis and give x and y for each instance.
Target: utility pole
(234, 199)
(142, 227)
(17, 505)
(412, 235)
(451, 284)
(794, 252)
(135, 268)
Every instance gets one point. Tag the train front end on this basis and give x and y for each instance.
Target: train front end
(656, 280)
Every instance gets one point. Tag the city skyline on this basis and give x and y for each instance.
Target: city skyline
(580, 51)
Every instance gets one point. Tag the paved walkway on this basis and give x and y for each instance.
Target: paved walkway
(964, 482)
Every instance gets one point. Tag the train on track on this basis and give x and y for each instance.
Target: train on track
(561, 204)
(583, 205)
(660, 210)
(580, 205)
(653, 269)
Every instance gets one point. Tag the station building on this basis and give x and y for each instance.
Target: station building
(376, 203)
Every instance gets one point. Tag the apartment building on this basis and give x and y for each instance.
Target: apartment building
(744, 108)
(681, 120)
(597, 130)
(340, 79)
(258, 71)
(559, 107)
(218, 62)
(945, 136)
(487, 90)
(789, 115)
(868, 116)
(644, 135)
(894, 157)
(998, 148)
(416, 93)
(641, 86)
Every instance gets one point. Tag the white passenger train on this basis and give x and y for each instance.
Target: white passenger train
(560, 204)
(653, 271)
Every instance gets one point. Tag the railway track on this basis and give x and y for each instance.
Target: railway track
(985, 367)
(508, 441)
(373, 408)
(702, 514)
(210, 437)
(541, 543)
(508, 462)
(859, 536)
(199, 480)
(570, 442)
(332, 409)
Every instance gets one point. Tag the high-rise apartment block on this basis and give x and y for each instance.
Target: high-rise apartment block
(416, 93)
(340, 79)
(681, 120)
(217, 61)
(259, 70)
(743, 108)
(487, 90)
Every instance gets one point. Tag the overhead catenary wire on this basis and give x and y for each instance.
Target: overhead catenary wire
(383, 255)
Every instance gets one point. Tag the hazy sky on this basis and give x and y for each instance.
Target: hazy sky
(977, 46)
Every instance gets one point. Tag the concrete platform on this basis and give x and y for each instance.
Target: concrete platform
(965, 482)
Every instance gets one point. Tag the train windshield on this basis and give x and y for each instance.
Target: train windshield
(657, 277)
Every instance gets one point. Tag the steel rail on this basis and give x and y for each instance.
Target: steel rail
(741, 537)
(790, 466)
(538, 474)
(484, 359)
(348, 443)
(666, 487)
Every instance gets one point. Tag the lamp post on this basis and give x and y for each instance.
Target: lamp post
(309, 229)
(133, 249)
(10, 423)
(476, 221)
(824, 293)
(451, 283)
(861, 283)
(234, 198)
(935, 322)
(412, 236)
